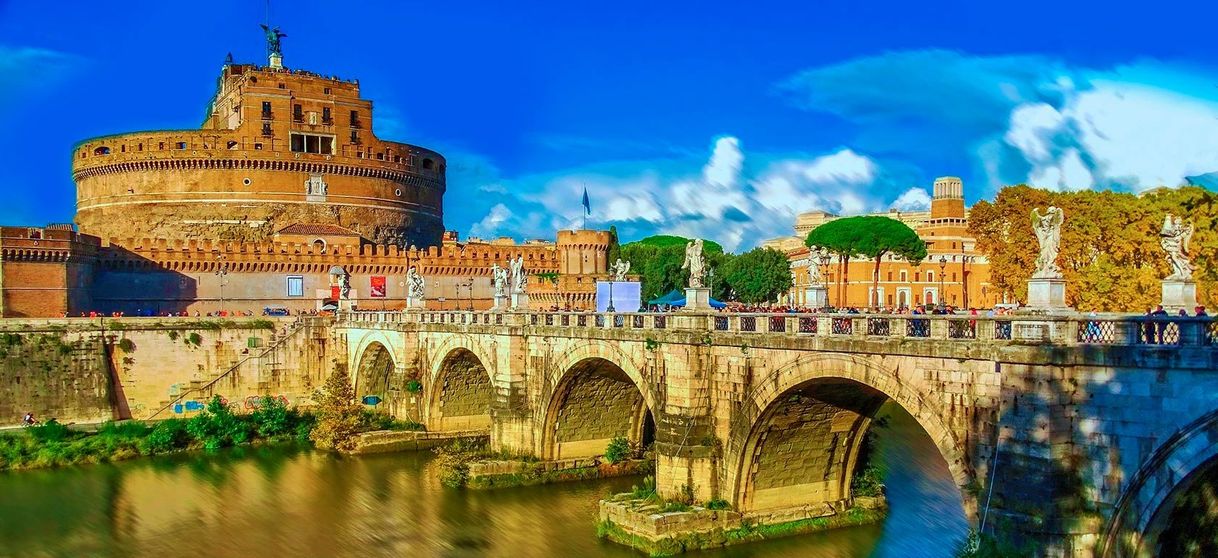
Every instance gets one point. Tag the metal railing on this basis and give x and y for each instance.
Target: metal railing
(1073, 329)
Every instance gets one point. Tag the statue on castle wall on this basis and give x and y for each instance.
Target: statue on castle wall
(1174, 237)
(619, 269)
(694, 263)
(499, 278)
(518, 277)
(414, 284)
(1048, 229)
(274, 39)
(315, 185)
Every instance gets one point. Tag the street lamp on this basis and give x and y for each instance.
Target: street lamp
(221, 273)
(942, 268)
(610, 308)
(825, 259)
(964, 277)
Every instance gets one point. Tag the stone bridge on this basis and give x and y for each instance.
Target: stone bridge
(1076, 430)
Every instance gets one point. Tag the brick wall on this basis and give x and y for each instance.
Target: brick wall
(599, 405)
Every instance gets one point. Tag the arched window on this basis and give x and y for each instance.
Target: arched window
(103, 150)
(428, 164)
(319, 245)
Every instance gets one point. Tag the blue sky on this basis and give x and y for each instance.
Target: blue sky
(711, 118)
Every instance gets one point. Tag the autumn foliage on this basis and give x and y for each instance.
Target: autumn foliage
(1110, 253)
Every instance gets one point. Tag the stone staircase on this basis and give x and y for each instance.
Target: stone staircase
(268, 359)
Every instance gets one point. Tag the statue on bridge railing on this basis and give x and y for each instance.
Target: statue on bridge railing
(518, 278)
(618, 270)
(694, 263)
(1048, 229)
(499, 278)
(1174, 237)
(414, 284)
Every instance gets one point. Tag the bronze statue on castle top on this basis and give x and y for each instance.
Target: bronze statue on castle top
(273, 39)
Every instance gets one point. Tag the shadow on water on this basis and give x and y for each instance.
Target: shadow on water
(292, 502)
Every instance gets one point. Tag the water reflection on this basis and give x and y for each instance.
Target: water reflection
(294, 502)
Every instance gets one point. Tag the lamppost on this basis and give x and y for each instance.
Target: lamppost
(825, 259)
(964, 277)
(610, 308)
(942, 268)
(223, 271)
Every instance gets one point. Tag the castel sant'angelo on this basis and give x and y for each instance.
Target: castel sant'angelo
(282, 194)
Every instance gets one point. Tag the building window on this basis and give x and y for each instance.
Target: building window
(904, 276)
(930, 277)
(312, 143)
(139, 147)
(355, 138)
(232, 144)
(355, 118)
(428, 164)
(258, 146)
(181, 145)
(295, 285)
(266, 109)
(161, 145)
(325, 91)
(266, 129)
(380, 156)
(325, 114)
(101, 151)
(297, 113)
(889, 277)
(283, 86)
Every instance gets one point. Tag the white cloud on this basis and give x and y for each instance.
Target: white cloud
(488, 227)
(914, 199)
(716, 198)
(28, 68)
(1116, 134)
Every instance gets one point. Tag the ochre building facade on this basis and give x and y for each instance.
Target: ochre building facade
(954, 273)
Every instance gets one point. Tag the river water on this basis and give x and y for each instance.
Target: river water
(285, 501)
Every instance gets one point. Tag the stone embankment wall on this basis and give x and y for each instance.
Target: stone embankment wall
(78, 370)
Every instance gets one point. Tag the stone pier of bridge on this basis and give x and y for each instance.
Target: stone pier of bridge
(1076, 429)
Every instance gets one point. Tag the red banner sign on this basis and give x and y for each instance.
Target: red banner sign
(378, 287)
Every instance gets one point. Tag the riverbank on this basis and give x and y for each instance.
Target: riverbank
(57, 445)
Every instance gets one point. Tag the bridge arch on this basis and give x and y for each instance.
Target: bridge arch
(374, 367)
(598, 393)
(1143, 506)
(459, 392)
(816, 410)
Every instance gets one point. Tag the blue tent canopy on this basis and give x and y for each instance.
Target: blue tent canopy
(680, 303)
(672, 296)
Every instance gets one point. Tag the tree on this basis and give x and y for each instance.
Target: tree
(615, 249)
(759, 275)
(838, 237)
(879, 236)
(338, 416)
(657, 260)
(1110, 253)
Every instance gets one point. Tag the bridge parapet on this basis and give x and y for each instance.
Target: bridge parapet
(1063, 330)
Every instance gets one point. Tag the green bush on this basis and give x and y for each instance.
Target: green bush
(194, 339)
(124, 430)
(414, 386)
(166, 436)
(718, 504)
(217, 426)
(126, 345)
(618, 450)
(272, 418)
(645, 492)
(376, 420)
(50, 431)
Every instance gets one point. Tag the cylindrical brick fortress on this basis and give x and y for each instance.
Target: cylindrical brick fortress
(279, 147)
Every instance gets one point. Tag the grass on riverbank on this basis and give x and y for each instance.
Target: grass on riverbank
(54, 445)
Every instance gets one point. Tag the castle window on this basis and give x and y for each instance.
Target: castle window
(283, 86)
(889, 276)
(355, 119)
(320, 246)
(258, 146)
(398, 192)
(904, 276)
(355, 139)
(325, 114)
(161, 145)
(325, 91)
(380, 156)
(297, 113)
(232, 144)
(266, 129)
(428, 164)
(266, 109)
(312, 143)
(102, 151)
(139, 147)
(295, 285)
(397, 158)
(181, 145)
(123, 148)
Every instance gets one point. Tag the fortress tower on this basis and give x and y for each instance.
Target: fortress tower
(278, 147)
(947, 200)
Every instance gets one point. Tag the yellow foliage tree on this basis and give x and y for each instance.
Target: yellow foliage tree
(1110, 253)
